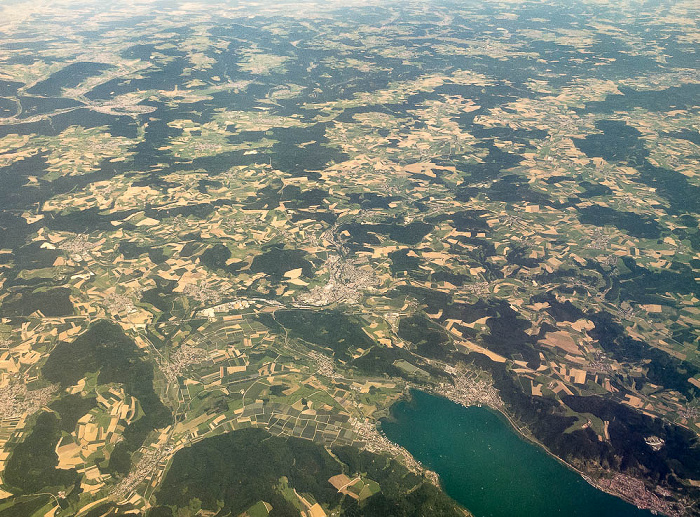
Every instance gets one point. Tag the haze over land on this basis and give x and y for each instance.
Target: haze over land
(234, 235)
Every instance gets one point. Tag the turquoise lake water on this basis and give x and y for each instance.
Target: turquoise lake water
(486, 466)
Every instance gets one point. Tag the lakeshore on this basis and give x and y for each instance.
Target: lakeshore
(486, 466)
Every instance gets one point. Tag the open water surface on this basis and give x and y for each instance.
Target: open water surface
(486, 466)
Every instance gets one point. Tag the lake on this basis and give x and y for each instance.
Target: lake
(486, 466)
